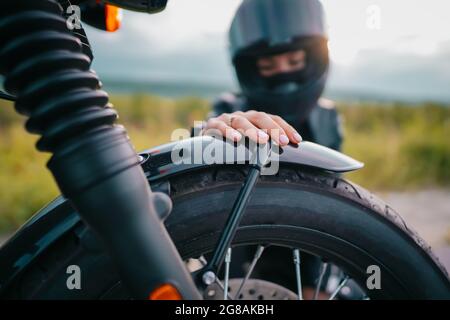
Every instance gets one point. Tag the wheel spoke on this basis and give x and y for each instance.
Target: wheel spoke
(297, 262)
(339, 287)
(220, 284)
(227, 273)
(258, 254)
(323, 270)
(297, 273)
(203, 260)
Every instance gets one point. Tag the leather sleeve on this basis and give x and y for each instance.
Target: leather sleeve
(326, 124)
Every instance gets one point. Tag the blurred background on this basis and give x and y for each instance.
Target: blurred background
(390, 78)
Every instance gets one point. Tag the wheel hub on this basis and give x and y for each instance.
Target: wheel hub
(253, 289)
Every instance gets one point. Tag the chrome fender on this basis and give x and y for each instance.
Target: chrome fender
(184, 155)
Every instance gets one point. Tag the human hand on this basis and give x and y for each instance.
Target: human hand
(258, 126)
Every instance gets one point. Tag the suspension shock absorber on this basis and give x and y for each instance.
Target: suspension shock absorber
(92, 161)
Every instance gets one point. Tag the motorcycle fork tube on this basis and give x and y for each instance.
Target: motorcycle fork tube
(93, 161)
(232, 222)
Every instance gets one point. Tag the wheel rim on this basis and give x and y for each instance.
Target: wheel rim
(331, 282)
(353, 273)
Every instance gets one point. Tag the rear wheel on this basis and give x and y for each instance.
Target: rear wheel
(319, 214)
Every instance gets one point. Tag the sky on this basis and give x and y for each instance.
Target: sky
(392, 48)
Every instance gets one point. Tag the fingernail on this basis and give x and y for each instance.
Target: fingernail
(298, 137)
(237, 136)
(263, 135)
(284, 139)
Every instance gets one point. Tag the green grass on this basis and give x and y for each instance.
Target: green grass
(403, 147)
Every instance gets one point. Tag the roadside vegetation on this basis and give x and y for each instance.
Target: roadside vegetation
(402, 146)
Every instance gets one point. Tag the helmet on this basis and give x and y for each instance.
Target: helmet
(265, 27)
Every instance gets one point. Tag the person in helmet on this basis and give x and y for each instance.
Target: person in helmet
(280, 55)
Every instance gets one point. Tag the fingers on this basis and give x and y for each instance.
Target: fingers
(263, 120)
(247, 128)
(216, 125)
(258, 126)
(233, 126)
(279, 130)
(293, 134)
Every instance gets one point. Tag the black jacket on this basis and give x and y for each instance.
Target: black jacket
(323, 125)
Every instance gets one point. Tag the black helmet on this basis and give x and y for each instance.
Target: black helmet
(264, 27)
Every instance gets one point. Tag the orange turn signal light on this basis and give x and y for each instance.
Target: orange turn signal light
(165, 292)
(113, 17)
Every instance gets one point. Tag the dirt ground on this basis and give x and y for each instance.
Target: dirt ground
(428, 212)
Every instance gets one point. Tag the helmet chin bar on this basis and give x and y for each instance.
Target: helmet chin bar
(286, 88)
(149, 6)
